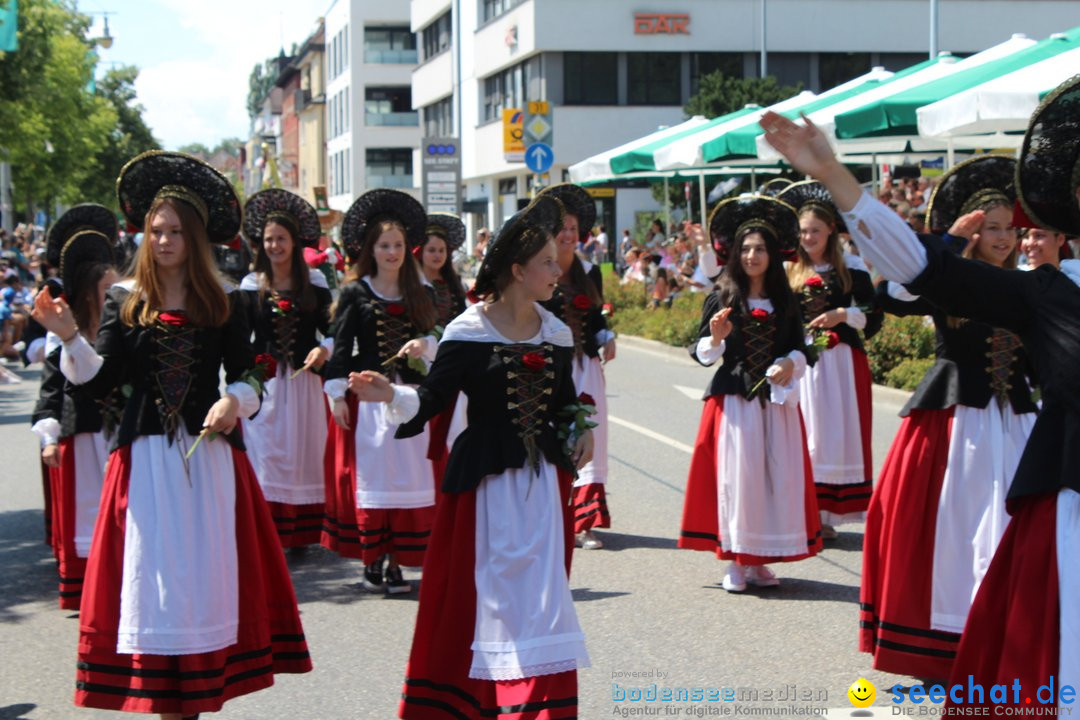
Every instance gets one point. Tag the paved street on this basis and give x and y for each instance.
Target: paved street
(645, 606)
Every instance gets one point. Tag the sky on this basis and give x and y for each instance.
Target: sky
(195, 57)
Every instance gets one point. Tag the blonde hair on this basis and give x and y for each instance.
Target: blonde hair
(206, 303)
(802, 268)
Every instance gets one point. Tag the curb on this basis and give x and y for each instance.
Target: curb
(888, 394)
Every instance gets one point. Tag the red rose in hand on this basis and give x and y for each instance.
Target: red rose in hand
(582, 302)
(472, 297)
(759, 315)
(813, 282)
(175, 319)
(608, 310)
(284, 305)
(586, 399)
(533, 361)
(267, 361)
(832, 339)
(395, 309)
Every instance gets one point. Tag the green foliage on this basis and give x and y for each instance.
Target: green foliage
(260, 83)
(900, 339)
(195, 148)
(677, 325)
(720, 94)
(52, 126)
(129, 138)
(909, 373)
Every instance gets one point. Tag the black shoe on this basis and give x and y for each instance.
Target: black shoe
(373, 576)
(396, 584)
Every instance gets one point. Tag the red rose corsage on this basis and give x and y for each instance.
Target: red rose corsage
(582, 302)
(175, 318)
(534, 361)
(395, 309)
(282, 306)
(814, 282)
(759, 315)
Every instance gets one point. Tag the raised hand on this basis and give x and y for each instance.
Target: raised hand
(720, 326)
(54, 315)
(804, 146)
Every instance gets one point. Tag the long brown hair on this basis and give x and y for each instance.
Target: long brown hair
(207, 304)
(447, 271)
(418, 303)
(803, 267)
(298, 271)
(581, 283)
(83, 294)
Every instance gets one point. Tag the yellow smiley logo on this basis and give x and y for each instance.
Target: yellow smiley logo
(862, 693)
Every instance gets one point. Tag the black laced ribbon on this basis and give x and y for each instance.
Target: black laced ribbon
(174, 350)
(759, 344)
(1001, 355)
(529, 385)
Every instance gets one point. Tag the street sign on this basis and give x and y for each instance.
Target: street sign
(440, 162)
(539, 157)
(538, 125)
(513, 145)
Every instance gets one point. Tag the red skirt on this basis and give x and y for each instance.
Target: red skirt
(270, 638)
(590, 508)
(297, 525)
(366, 534)
(700, 524)
(72, 568)
(1013, 629)
(855, 498)
(898, 553)
(437, 682)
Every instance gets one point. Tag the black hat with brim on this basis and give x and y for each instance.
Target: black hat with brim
(85, 233)
(449, 227)
(179, 176)
(812, 194)
(968, 186)
(577, 202)
(543, 214)
(287, 209)
(1048, 173)
(378, 205)
(734, 215)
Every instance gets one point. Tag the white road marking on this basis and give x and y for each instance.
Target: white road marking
(651, 434)
(692, 393)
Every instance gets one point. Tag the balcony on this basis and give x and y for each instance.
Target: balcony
(391, 57)
(389, 181)
(392, 119)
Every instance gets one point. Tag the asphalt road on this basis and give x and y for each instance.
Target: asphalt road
(651, 613)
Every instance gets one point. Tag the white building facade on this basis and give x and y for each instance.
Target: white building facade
(615, 70)
(372, 130)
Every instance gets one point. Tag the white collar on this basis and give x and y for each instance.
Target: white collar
(1071, 268)
(472, 326)
(252, 280)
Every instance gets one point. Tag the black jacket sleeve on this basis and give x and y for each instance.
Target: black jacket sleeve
(50, 402)
(441, 386)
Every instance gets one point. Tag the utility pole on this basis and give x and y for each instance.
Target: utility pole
(764, 35)
(933, 29)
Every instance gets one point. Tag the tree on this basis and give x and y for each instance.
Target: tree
(130, 137)
(195, 148)
(260, 82)
(52, 126)
(721, 94)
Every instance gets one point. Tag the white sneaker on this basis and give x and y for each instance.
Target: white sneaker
(761, 576)
(734, 579)
(589, 541)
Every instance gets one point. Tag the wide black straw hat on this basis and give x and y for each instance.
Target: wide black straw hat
(730, 217)
(85, 233)
(577, 202)
(179, 176)
(287, 209)
(812, 194)
(383, 204)
(969, 185)
(544, 214)
(447, 226)
(1048, 173)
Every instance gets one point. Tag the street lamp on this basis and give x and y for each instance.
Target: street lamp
(106, 40)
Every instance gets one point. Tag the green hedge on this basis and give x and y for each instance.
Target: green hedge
(900, 354)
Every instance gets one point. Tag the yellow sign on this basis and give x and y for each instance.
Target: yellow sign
(513, 144)
(600, 192)
(538, 107)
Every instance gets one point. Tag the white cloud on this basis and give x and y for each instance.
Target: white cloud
(193, 96)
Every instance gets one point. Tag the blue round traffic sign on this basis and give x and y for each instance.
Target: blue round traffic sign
(539, 157)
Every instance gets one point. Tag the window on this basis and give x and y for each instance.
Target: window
(900, 61)
(590, 78)
(439, 119)
(837, 68)
(389, 167)
(436, 37)
(389, 106)
(790, 68)
(507, 89)
(705, 63)
(491, 9)
(654, 78)
(389, 45)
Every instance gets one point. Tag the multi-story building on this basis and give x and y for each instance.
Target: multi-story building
(310, 103)
(617, 70)
(372, 130)
(288, 146)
